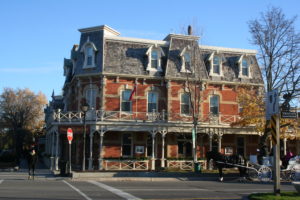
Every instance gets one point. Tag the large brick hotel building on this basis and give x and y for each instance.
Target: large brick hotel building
(139, 115)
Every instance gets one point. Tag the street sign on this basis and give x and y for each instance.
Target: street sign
(289, 115)
(272, 105)
(70, 135)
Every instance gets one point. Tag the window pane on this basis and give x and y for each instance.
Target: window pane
(90, 96)
(214, 104)
(152, 101)
(154, 59)
(126, 95)
(126, 104)
(187, 59)
(216, 65)
(185, 109)
(185, 104)
(245, 67)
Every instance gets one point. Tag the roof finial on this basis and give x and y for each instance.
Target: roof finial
(189, 30)
(52, 93)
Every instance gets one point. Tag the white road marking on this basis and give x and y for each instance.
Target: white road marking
(167, 189)
(116, 191)
(1, 181)
(77, 190)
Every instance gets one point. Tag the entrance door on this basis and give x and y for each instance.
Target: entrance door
(127, 145)
(240, 146)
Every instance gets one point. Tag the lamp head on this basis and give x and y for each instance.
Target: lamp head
(85, 107)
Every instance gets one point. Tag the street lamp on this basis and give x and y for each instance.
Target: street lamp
(84, 109)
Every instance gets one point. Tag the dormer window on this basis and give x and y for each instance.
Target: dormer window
(216, 65)
(244, 67)
(154, 59)
(89, 56)
(89, 51)
(154, 54)
(215, 62)
(186, 61)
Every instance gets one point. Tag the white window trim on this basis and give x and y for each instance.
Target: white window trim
(185, 50)
(211, 63)
(121, 111)
(183, 114)
(160, 54)
(240, 63)
(84, 50)
(156, 100)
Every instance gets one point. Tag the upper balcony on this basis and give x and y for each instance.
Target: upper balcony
(150, 117)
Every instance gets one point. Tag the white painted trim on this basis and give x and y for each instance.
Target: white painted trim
(160, 53)
(240, 63)
(182, 114)
(156, 109)
(230, 50)
(103, 28)
(182, 57)
(84, 50)
(137, 40)
(131, 106)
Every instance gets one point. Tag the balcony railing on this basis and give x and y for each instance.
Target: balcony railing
(103, 115)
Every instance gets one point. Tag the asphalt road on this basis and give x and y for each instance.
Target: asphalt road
(14, 189)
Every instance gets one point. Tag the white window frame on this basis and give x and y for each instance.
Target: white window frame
(240, 63)
(186, 50)
(156, 109)
(211, 63)
(84, 50)
(160, 54)
(189, 104)
(121, 101)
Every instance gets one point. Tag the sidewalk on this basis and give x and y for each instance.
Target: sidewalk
(41, 172)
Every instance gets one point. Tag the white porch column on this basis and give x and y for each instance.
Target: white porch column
(163, 136)
(220, 142)
(91, 151)
(100, 167)
(52, 151)
(210, 140)
(153, 133)
(56, 150)
(284, 146)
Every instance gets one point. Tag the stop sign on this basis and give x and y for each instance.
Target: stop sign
(70, 135)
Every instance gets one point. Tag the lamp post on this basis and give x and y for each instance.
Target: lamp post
(84, 109)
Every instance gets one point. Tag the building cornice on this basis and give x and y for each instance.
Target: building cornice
(104, 28)
(228, 50)
(136, 40)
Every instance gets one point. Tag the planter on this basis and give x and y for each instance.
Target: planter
(297, 186)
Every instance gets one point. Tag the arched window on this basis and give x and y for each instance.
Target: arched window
(89, 51)
(214, 104)
(216, 65)
(185, 104)
(152, 101)
(126, 103)
(89, 55)
(245, 67)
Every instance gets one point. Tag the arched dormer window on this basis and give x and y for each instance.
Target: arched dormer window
(244, 64)
(186, 62)
(154, 54)
(89, 51)
(215, 62)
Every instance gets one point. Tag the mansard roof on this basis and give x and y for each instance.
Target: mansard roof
(128, 56)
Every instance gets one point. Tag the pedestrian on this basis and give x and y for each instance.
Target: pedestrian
(31, 160)
(287, 158)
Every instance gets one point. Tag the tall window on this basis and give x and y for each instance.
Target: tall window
(187, 61)
(214, 104)
(185, 104)
(152, 101)
(126, 103)
(216, 65)
(126, 144)
(90, 95)
(245, 67)
(89, 55)
(154, 59)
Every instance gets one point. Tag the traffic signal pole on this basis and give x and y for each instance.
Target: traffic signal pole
(276, 164)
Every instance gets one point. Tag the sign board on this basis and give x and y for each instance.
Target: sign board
(272, 104)
(289, 115)
(70, 135)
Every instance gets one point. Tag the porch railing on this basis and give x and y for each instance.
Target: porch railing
(103, 115)
(126, 164)
(187, 165)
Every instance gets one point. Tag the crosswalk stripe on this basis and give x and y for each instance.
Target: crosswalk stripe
(77, 190)
(115, 191)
